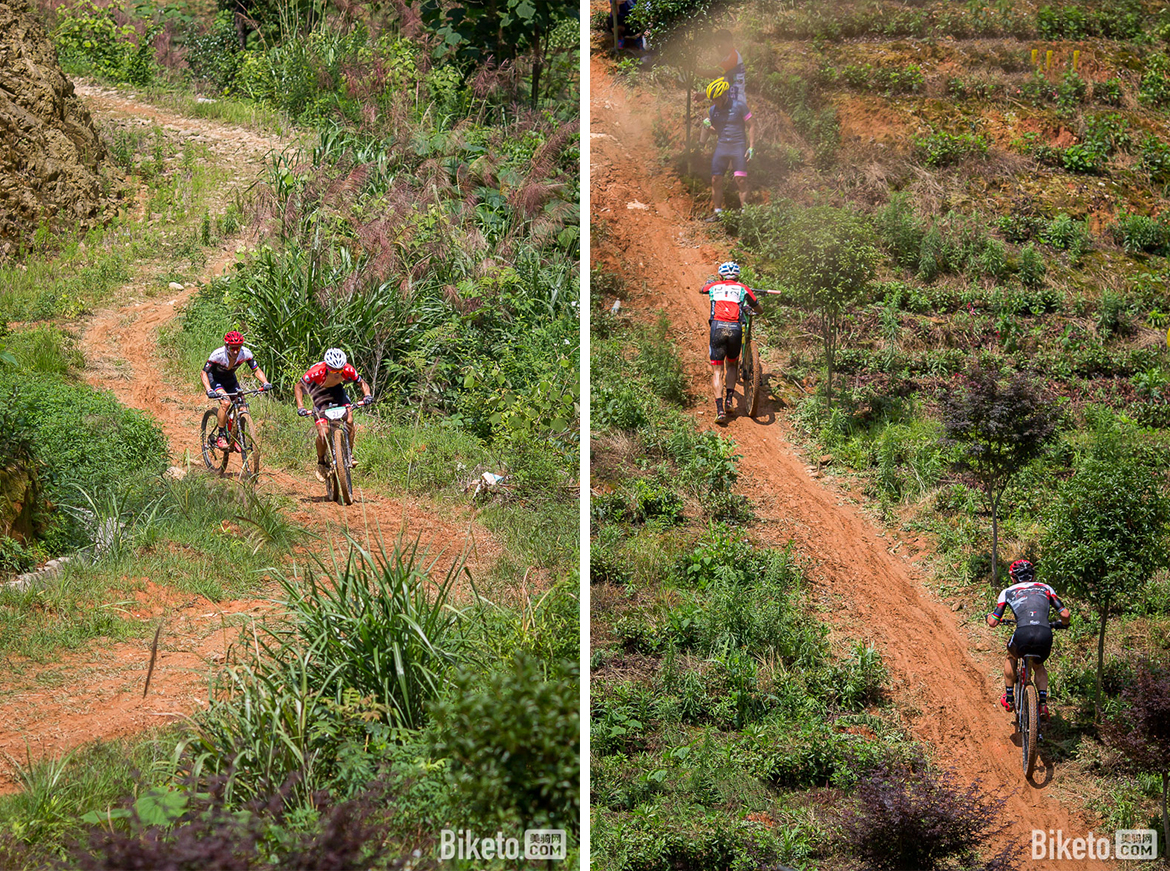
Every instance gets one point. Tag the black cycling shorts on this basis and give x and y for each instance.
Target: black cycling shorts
(225, 381)
(326, 397)
(726, 341)
(1031, 641)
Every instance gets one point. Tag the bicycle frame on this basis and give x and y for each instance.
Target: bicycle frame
(339, 483)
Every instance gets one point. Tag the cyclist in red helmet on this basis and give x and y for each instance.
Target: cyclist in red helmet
(219, 378)
(325, 383)
(1031, 603)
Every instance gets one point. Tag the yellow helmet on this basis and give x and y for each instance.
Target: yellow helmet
(717, 89)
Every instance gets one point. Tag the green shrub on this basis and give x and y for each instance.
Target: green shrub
(1108, 92)
(1154, 86)
(1031, 266)
(1140, 233)
(512, 742)
(214, 56)
(941, 148)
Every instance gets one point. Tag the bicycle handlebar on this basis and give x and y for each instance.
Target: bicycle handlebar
(1049, 625)
(239, 394)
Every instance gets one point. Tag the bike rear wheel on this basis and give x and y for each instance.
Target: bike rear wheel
(1029, 727)
(215, 459)
(340, 447)
(249, 453)
(751, 384)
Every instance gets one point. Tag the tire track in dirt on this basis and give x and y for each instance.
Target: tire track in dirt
(947, 695)
(96, 693)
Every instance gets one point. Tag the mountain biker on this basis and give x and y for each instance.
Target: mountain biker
(734, 129)
(1031, 603)
(732, 65)
(325, 382)
(219, 379)
(728, 299)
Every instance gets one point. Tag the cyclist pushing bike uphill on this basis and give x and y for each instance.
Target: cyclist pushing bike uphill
(325, 383)
(729, 298)
(1031, 603)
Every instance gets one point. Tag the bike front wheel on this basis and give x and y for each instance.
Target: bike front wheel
(249, 453)
(215, 459)
(339, 439)
(1029, 727)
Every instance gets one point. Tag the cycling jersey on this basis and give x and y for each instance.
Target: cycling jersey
(727, 299)
(1030, 603)
(730, 122)
(319, 371)
(736, 74)
(219, 365)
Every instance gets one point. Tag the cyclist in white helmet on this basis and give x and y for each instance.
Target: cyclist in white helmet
(728, 299)
(325, 382)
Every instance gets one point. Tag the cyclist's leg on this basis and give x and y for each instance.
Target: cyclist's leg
(718, 168)
(717, 353)
(731, 367)
(739, 165)
(1040, 675)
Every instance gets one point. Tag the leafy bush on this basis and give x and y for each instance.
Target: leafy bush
(1031, 266)
(1139, 233)
(90, 37)
(918, 818)
(943, 149)
(215, 56)
(1072, 236)
(512, 739)
(1154, 86)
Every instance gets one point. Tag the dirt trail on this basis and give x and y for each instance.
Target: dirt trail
(96, 693)
(949, 692)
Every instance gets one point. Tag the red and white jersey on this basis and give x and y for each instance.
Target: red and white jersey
(727, 298)
(319, 371)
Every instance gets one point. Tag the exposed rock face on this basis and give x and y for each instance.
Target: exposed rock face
(49, 148)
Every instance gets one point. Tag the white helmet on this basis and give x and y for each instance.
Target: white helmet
(730, 269)
(335, 358)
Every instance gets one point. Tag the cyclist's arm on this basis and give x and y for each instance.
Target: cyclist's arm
(206, 380)
(996, 616)
(259, 374)
(751, 131)
(753, 303)
(366, 388)
(299, 394)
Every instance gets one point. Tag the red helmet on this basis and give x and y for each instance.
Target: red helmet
(1021, 572)
(233, 338)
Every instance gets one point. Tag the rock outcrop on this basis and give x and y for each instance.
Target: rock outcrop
(49, 148)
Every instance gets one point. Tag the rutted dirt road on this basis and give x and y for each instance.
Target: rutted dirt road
(96, 693)
(933, 671)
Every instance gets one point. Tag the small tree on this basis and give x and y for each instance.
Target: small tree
(829, 260)
(1107, 532)
(680, 30)
(999, 427)
(1142, 732)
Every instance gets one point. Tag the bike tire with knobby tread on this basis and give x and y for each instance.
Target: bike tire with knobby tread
(340, 447)
(249, 453)
(1030, 713)
(751, 389)
(215, 459)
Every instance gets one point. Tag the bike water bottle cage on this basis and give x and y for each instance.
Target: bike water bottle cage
(730, 269)
(1021, 572)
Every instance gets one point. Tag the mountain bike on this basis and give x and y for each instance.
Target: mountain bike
(1028, 707)
(339, 481)
(749, 369)
(240, 437)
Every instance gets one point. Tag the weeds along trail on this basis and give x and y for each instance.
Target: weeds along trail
(97, 694)
(643, 230)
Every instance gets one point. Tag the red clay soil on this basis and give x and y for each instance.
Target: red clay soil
(97, 692)
(947, 692)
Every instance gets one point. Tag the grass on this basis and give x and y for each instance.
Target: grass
(183, 541)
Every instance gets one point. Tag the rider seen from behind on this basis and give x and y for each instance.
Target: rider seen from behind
(325, 383)
(1031, 603)
(219, 378)
(729, 298)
